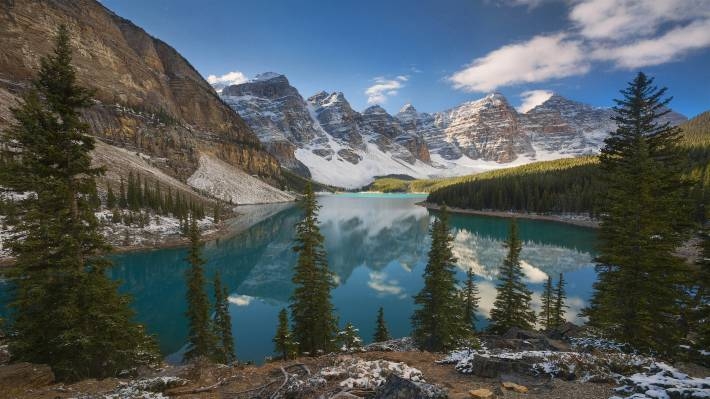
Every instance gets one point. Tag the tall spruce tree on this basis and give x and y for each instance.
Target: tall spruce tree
(545, 318)
(110, 198)
(645, 218)
(67, 313)
(558, 308)
(201, 339)
(512, 305)
(470, 298)
(122, 199)
(381, 332)
(438, 323)
(283, 339)
(223, 323)
(312, 313)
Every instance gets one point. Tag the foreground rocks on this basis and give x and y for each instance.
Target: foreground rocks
(393, 370)
(399, 388)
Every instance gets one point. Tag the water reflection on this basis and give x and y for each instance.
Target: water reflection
(377, 249)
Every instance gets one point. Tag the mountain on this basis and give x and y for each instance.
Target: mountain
(148, 98)
(325, 138)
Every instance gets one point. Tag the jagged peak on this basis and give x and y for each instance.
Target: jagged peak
(335, 97)
(262, 77)
(408, 108)
(374, 109)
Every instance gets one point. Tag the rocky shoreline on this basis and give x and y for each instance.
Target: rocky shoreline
(245, 217)
(577, 220)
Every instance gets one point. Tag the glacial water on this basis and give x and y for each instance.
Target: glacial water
(377, 247)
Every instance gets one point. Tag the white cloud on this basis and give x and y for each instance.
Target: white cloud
(621, 20)
(630, 34)
(659, 50)
(532, 273)
(378, 282)
(240, 300)
(384, 88)
(533, 98)
(230, 78)
(538, 59)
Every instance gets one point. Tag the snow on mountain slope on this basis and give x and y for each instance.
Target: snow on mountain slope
(222, 180)
(323, 137)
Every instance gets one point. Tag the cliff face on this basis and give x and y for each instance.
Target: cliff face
(148, 97)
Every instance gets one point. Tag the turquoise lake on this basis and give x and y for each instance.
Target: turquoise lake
(377, 247)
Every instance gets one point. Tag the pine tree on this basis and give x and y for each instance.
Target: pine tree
(512, 305)
(283, 340)
(202, 341)
(122, 199)
(645, 217)
(438, 323)
(558, 308)
(223, 323)
(469, 295)
(314, 324)
(110, 198)
(547, 305)
(66, 311)
(381, 332)
(349, 338)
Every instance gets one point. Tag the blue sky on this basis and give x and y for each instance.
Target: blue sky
(436, 54)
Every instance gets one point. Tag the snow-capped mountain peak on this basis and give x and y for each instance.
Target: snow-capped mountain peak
(325, 138)
(266, 76)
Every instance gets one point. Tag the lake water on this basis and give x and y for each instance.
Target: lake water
(377, 247)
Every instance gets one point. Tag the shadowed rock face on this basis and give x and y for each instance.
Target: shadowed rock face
(148, 97)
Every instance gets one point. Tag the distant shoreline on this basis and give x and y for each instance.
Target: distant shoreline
(225, 229)
(589, 223)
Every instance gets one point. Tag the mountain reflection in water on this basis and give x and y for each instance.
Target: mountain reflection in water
(377, 249)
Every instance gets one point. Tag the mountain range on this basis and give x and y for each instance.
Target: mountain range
(323, 137)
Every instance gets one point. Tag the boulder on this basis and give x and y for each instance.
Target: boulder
(567, 330)
(481, 393)
(491, 367)
(511, 386)
(399, 388)
(21, 377)
(517, 333)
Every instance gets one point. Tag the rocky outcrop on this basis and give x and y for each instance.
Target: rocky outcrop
(148, 97)
(396, 387)
(486, 129)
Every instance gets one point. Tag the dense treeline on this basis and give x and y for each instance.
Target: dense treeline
(137, 195)
(569, 185)
(562, 186)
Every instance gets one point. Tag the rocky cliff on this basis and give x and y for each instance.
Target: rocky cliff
(323, 136)
(148, 98)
